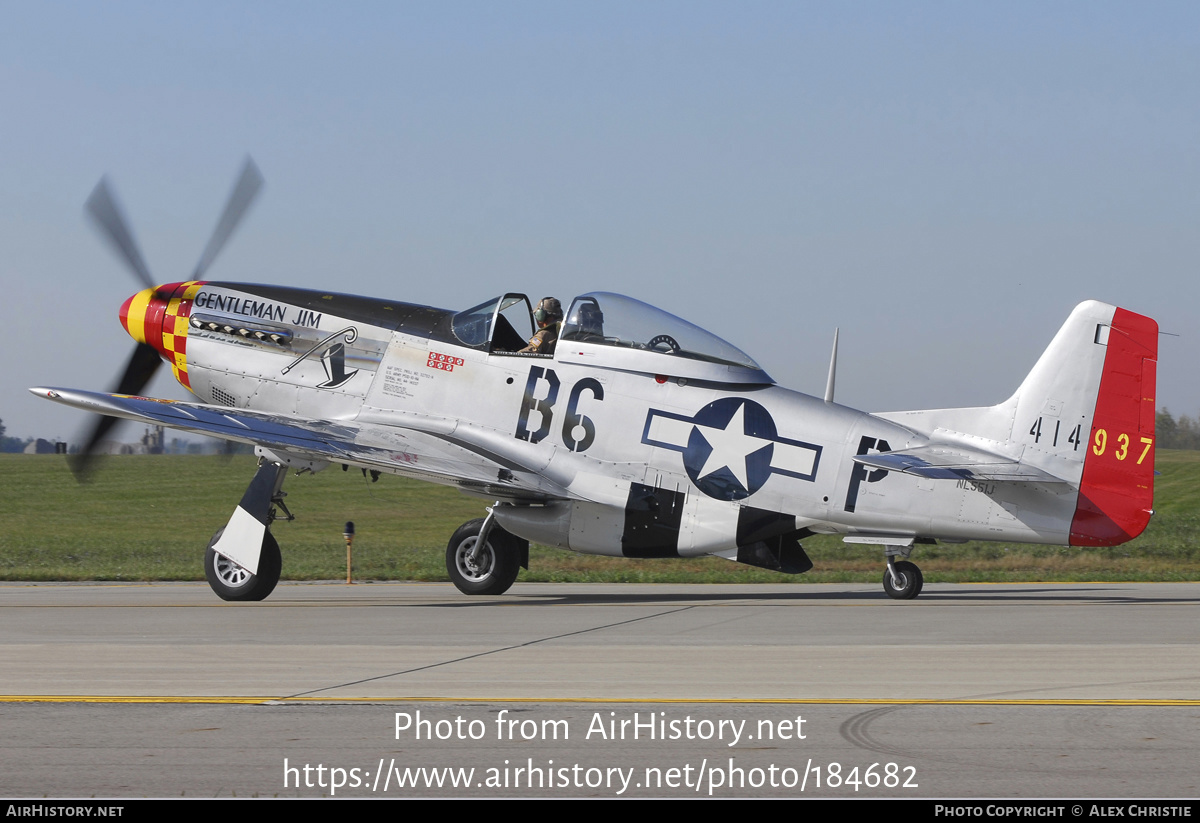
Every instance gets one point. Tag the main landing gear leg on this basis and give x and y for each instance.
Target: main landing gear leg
(482, 558)
(902, 580)
(243, 560)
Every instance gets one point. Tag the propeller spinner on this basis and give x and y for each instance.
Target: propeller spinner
(150, 316)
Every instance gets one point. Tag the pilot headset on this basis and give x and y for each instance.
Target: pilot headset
(547, 308)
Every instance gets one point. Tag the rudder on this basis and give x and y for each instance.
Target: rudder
(1116, 491)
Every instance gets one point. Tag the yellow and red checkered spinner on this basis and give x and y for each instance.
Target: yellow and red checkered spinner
(159, 317)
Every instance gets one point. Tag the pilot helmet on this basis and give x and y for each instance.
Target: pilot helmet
(548, 310)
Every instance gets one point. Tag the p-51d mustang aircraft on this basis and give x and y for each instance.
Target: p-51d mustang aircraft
(640, 435)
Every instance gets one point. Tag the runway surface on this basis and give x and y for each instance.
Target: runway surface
(981, 690)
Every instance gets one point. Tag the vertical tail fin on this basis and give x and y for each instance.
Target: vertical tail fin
(1084, 414)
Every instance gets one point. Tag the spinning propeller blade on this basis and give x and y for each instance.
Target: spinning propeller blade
(103, 208)
(110, 219)
(249, 184)
(138, 371)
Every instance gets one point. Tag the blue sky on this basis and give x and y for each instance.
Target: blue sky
(943, 181)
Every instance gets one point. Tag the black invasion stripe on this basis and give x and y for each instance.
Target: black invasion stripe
(759, 524)
(652, 518)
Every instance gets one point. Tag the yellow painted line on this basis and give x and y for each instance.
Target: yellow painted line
(844, 701)
(1014, 583)
(154, 584)
(113, 698)
(865, 701)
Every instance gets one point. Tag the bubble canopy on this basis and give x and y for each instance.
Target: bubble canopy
(617, 331)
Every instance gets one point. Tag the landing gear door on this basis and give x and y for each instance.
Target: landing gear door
(512, 324)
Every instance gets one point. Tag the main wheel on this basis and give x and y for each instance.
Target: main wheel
(911, 581)
(231, 582)
(491, 570)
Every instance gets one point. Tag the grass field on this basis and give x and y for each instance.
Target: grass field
(149, 518)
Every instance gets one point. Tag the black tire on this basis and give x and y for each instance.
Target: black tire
(496, 567)
(911, 581)
(231, 582)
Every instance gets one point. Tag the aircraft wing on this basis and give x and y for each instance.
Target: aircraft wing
(944, 462)
(445, 456)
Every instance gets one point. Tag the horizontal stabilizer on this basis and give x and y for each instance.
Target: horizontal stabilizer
(939, 462)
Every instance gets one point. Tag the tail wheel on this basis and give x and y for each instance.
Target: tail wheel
(908, 583)
(232, 582)
(489, 570)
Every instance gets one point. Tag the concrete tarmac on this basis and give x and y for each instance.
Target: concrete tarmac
(980, 690)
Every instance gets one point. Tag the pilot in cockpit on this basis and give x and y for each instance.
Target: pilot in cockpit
(548, 315)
